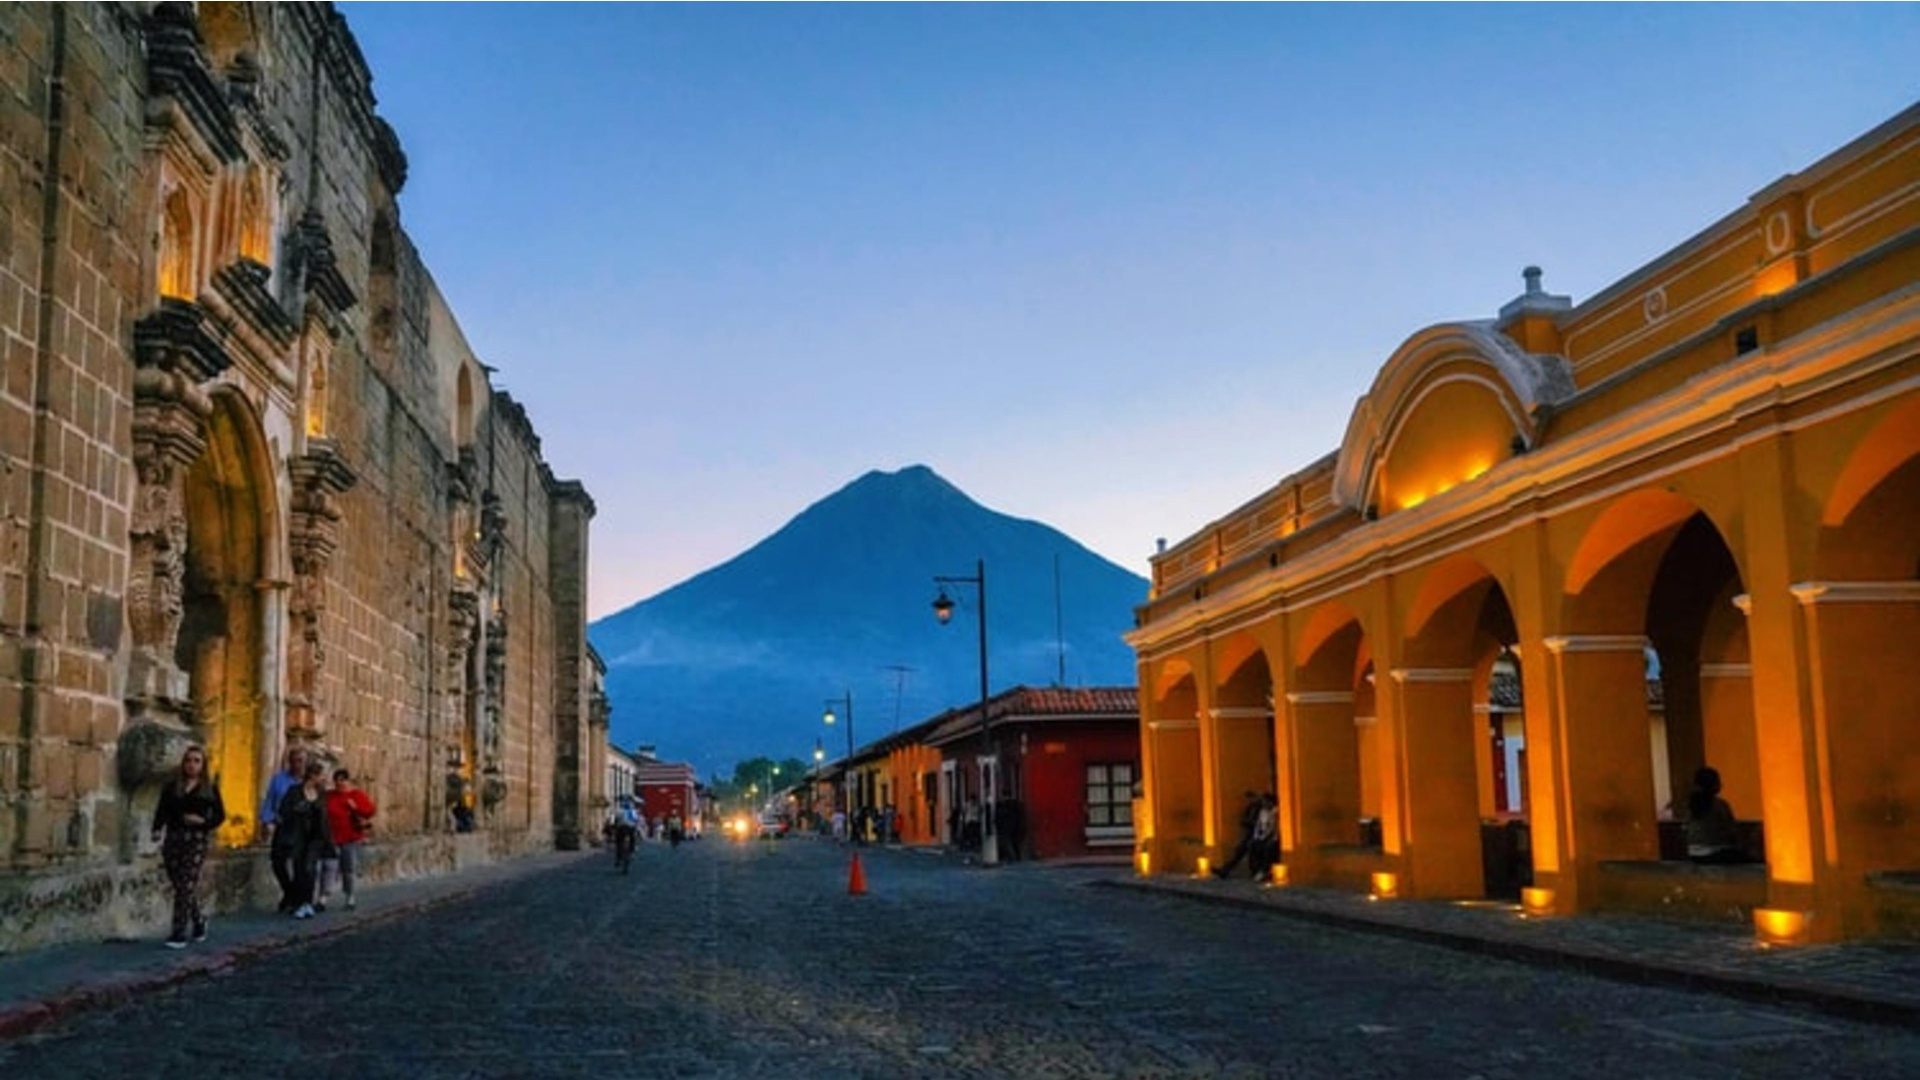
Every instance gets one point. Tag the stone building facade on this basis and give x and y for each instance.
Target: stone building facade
(255, 488)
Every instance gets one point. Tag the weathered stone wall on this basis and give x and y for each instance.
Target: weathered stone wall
(255, 487)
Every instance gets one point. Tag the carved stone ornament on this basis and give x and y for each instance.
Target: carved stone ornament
(496, 686)
(313, 534)
(173, 356)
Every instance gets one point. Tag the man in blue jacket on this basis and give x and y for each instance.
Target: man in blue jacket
(280, 856)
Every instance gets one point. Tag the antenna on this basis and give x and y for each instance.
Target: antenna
(1059, 623)
(900, 673)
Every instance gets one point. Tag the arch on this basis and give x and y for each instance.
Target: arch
(317, 349)
(256, 219)
(463, 407)
(1870, 523)
(1464, 747)
(178, 246)
(1245, 757)
(1609, 573)
(1471, 353)
(1337, 758)
(1653, 564)
(1324, 622)
(231, 529)
(1175, 768)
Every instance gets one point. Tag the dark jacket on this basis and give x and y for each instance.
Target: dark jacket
(302, 831)
(176, 804)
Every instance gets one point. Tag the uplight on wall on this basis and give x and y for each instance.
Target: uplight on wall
(1776, 926)
(1385, 886)
(1203, 867)
(1143, 862)
(1278, 875)
(1535, 901)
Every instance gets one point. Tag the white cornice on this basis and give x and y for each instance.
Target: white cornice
(1241, 712)
(1726, 671)
(1857, 592)
(1172, 725)
(1580, 643)
(1320, 697)
(1432, 675)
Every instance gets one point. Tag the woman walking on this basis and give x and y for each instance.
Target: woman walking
(349, 815)
(302, 829)
(190, 809)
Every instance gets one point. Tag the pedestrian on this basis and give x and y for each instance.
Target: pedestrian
(1249, 815)
(350, 813)
(301, 837)
(1712, 835)
(1263, 851)
(189, 810)
(283, 781)
(1010, 829)
(676, 830)
(840, 825)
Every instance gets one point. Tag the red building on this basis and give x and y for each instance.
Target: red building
(1070, 758)
(669, 788)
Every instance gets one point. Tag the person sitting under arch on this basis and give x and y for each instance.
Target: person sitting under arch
(1712, 833)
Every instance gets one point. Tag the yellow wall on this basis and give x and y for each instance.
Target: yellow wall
(1619, 475)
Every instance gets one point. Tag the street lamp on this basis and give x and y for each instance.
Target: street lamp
(943, 610)
(846, 700)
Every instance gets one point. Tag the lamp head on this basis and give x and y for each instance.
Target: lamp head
(943, 607)
(829, 715)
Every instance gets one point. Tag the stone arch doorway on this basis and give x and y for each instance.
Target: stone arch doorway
(1336, 752)
(229, 504)
(1862, 616)
(1467, 827)
(1655, 586)
(1173, 728)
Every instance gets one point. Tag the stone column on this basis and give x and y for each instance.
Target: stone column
(1606, 755)
(1861, 727)
(173, 357)
(1326, 775)
(463, 618)
(1441, 820)
(313, 533)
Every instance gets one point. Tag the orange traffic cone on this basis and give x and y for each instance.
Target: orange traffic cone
(857, 881)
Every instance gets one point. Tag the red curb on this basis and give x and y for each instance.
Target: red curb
(111, 990)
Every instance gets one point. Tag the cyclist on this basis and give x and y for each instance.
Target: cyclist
(623, 828)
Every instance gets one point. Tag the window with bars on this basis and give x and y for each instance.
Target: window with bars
(1110, 794)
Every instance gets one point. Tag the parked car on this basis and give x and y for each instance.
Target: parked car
(773, 826)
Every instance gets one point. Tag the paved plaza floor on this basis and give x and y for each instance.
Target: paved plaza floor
(723, 960)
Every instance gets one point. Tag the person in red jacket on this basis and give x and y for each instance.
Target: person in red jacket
(349, 816)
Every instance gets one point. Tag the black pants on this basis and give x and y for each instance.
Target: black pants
(1239, 852)
(281, 859)
(303, 880)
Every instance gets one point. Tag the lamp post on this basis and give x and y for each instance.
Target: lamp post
(827, 717)
(943, 610)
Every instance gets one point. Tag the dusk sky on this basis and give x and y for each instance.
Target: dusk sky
(1115, 268)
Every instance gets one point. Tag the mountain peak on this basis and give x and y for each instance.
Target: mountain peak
(836, 601)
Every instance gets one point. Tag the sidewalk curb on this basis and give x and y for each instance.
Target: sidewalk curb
(24, 1020)
(1821, 997)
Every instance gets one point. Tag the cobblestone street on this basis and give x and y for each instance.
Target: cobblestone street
(750, 960)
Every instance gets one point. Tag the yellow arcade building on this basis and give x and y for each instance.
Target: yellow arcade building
(1566, 558)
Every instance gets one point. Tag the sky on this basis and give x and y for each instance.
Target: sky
(1118, 269)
